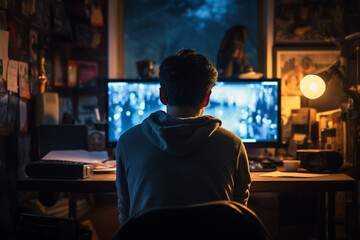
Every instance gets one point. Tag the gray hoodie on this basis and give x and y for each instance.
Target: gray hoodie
(168, 161)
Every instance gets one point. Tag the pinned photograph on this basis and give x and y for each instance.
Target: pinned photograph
(24, 83)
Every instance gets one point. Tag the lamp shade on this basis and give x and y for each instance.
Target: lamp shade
(312, 86)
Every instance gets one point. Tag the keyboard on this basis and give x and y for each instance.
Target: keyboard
(59, 169)
(261, 166)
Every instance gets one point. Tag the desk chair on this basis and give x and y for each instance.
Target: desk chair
(213, 220)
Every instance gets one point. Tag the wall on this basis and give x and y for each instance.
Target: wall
(59, 31)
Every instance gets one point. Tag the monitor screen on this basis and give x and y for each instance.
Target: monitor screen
(249, 108)
(129, 103)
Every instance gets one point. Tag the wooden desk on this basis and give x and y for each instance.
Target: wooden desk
(329, 184)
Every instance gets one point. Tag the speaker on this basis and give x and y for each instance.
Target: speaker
(47, 109)
(319, 160)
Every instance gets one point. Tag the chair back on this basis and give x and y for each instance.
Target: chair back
(213, 220)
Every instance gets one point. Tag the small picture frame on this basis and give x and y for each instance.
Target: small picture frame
(291, 64)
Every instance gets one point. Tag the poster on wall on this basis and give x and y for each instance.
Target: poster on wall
(24, 84)
(292, 64)
(308, 22)
(12, 76)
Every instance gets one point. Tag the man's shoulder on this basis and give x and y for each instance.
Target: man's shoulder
(224, 134)
(132, 132)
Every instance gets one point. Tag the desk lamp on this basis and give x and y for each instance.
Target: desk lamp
(312, 87)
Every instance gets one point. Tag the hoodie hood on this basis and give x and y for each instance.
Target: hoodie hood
(178, 136)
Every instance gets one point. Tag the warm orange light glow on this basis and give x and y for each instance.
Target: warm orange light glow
(312, 86)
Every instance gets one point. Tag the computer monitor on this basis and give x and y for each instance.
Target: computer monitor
(129, 102)
(250, 108)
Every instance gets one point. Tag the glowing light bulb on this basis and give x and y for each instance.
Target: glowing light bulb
(312, 86)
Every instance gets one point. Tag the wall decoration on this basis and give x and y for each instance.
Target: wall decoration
(292, 64)
(304, 22)
(12, 76)
(88, 73)
(24, 84)
(94, 12)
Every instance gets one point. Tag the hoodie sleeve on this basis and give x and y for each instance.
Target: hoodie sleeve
(121, 186)
(242, 177)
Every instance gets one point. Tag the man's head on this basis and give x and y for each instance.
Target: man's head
(186, 78)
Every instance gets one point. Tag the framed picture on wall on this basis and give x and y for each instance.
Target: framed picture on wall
(308, 22)
(291, 64)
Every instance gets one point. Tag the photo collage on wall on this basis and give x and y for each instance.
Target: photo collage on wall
(29, 62)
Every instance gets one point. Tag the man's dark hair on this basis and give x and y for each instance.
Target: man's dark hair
(186, 78)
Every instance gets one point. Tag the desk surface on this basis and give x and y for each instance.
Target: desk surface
(106, 183)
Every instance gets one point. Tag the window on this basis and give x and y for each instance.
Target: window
(156, 29)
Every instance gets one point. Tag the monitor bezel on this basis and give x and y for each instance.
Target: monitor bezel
(259, 144)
